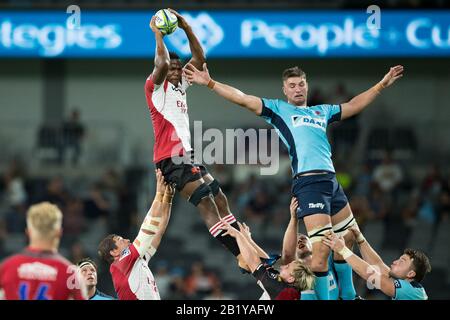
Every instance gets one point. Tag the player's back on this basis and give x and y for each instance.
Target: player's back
(38, 275)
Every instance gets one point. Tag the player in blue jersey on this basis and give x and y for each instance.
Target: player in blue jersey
(298, 246)
(88, 270)
(323, 204)
(401, 281)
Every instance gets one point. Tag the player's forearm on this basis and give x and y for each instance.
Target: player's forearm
(261, 253)
(289, 242)
(372, 257)
(161, 52)
(238, 97)
(198, 55)
(358, 265)
(361, 101)
(248, 252)
(165, 217)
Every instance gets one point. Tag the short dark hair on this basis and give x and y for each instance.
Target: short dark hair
(420, 263)
(86, 260)
(293, 72)
(173, 55)
(105, 246)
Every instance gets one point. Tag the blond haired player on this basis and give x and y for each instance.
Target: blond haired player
(39, 272)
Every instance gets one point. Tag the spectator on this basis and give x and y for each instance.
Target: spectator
(199, 283)
(388, 175)
(15, 197)
(73, 132)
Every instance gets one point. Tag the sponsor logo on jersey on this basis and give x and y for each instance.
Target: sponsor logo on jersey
(298, 121)
(37, 271)
(126, 252)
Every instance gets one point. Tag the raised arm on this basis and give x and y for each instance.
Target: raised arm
(248, 252)
(162, 60)
(152, 221)
(252, 103)
(198, 56)
(290, 235)
(245, 230)
(166, 208)
(368, 253)
(372, 274)
(358, 103)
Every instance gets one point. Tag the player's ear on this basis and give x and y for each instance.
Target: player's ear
(411, 274)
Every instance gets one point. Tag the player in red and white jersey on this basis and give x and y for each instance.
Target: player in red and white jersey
(165, 91)
(129, 269)
(39, 272)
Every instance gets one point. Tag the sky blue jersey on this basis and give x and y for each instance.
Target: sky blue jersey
(405, 290)
(303, 131)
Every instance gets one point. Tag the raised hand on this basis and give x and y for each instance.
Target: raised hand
(154, 28)
(245, 230)
(160, 184)
(182, 23)
(334, 242)
(229, 230)
(293, 208)
(393, 75)
(193, 75)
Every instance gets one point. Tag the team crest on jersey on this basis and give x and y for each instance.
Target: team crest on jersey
(178, 89)
(126, 252)
(397, 284)
(298, 121)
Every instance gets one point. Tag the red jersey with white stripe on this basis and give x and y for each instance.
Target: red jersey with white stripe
(39, 275)
(132, 277)
(169, 112)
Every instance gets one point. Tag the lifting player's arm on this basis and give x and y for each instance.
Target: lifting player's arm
(245, 230)
(248, 251)
(162, 60)
(368, 253)
(370, 273)
(198, 56)
(252, 103)
(290, 236)
(155, 221)
(358, 103)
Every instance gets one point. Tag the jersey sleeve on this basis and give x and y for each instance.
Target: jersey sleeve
(271, 282)
(127, 260)
(155, 93)
(270, 108)
(333, 112)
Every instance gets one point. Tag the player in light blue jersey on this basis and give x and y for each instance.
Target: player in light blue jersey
(88, 270)
(401, 281)
(299, 246)
(323, 204)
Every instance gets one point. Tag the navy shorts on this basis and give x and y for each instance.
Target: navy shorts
(319, 193)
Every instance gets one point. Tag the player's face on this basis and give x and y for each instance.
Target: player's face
(304, 245)
(402, 268)
(296, 90)
(89, 275)
(175, 72)
(286, 272)
(121, 245)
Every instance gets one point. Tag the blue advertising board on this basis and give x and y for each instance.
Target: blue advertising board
(228, 34)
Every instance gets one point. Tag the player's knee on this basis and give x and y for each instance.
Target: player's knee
(201, 194)
(317, 234)
(341, 229)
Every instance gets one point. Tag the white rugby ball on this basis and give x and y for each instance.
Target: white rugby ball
(166, 21)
